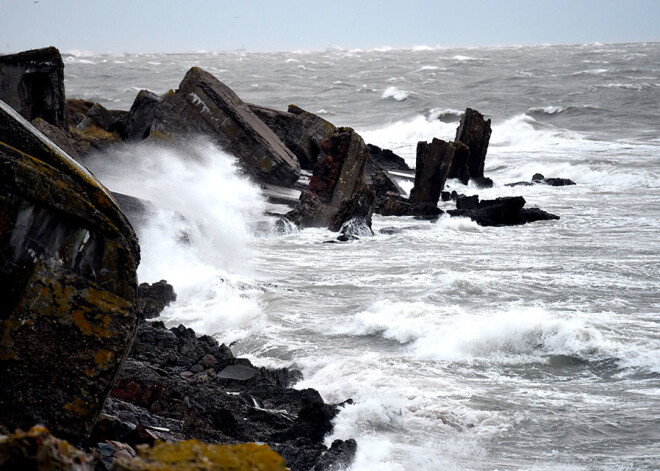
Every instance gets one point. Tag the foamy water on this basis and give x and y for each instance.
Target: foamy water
(463, 347)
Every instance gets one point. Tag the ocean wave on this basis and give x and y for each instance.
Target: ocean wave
(422, 48)
(591, 72)
(554, 110)
(446, 114)
(396, 93)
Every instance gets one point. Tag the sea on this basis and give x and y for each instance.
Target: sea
(462, 347)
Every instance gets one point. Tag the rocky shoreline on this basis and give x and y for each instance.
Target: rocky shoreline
(78, 353)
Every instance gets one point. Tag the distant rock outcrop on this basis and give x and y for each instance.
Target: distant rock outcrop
(205, 106)
(32, 82)
(68, 260)
(539, 179)
(506, 211)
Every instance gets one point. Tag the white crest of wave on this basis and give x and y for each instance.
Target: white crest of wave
(197, 237)
(402, 136)
(514, 336)
(396, 93)
(422, 48)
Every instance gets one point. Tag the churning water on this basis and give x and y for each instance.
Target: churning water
(533, 347)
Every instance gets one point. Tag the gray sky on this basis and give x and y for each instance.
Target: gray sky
(192, 25)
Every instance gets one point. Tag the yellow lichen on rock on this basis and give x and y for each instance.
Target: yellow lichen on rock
(192, 455)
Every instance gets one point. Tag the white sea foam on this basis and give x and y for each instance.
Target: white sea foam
(396, 93)
(198, 235)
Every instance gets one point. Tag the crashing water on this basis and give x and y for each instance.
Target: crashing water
(533, 347)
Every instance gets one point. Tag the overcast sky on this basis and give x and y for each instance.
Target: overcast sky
(193, 25)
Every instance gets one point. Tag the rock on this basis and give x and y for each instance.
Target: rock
(536, 214)
(400, 206)
(339, 456)
(112, 121)
(141, 116)
(483, 182)
(192, 454)
(37, 449)
(382, 184)
(519, 184)
(473, 131)
(205, 106)
(387, 159)
(459, 166)
(301, 131)
(353, 218)
(68, 260)
(433, 163)
(507, 211)
(152, 299)
(338, 175)
(240, 403)
(32, 82)
(540, 179)
(76, 111)
(59, 137)
(467, 202)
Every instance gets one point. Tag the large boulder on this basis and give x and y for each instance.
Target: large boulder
(473, 131)
(338, 174)
(32, 82)
(205, 106)
(301, 131)
(432, 167)
(387, 159)
(68, 259)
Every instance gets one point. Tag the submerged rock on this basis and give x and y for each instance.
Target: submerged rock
(68, 260)
(539, 178)
(506, 211)
(32, 82)
(205, 106)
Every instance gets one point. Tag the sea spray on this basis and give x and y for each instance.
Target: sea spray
(196, 233)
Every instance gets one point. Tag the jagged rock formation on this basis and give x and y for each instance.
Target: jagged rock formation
(301, 131)
(205, 106)
(338, 175)
(473, 131)
(432, 167)
(32, 82)
(141, 116)
(68, 260)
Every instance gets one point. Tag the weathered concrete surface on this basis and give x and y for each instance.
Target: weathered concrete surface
(205, 106)
(32, 82)
(68, 260)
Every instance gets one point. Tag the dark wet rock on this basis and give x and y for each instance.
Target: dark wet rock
(459, 166)
(205, 106)
(400, 206)
(519, 184)
(230, 401)
(353, 218)
(483, 182)
(433, 163)
(112, 121)
(507, 211)
(387, 159)
(445, 196)
(32, 82)
(473, 131)
(539, 178)
(301, 131)
(340, 455)
(338, 175)
(536, 214)
(68, 260)
(382, 184)
(76, 111)
(61, 138)
(37, 449)
(467, 202)
(153, 298)
(141, 116)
